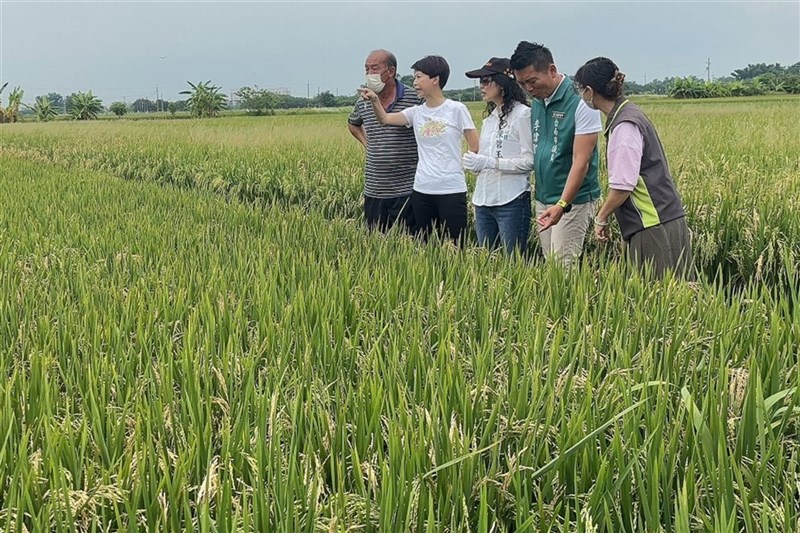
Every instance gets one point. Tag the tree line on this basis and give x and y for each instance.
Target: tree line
(203, 99)
(753, 80)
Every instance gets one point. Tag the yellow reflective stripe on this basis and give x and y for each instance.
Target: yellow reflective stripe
(611, 120)
(644, 205)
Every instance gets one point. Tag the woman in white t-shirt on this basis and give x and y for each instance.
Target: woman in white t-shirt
(439, 198)
(502, 196)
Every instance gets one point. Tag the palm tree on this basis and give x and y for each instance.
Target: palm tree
(687, 88)
(11, 112)
(791, 84)
(716, 89)
(43, 109)
(737, 88)
(85, 106)
(205, 100)
(2, 111)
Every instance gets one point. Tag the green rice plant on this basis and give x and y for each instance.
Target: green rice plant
(176, 360)
(740, 187)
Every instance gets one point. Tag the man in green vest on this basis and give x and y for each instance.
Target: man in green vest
(565, 159)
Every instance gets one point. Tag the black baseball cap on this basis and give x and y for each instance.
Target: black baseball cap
(493, 67)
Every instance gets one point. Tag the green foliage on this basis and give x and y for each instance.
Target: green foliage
(56, 99)
(68, 101)
(690, 87)
(256, 101)
(14, 102)
(346, 101)
(774, 78)
(753, 80)
(791, 83)
(143, 105)
(471, 94)
(752, 87)
(715, 89)
(695, 88)
(235, 164)
(44, 109)
(268, 365)
(85, 106)
(287, 101)
(118, 108)
(205, 100)
(326, 99)
(753, 71)
(11, 112)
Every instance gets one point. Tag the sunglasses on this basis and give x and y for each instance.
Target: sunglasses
(486, 80)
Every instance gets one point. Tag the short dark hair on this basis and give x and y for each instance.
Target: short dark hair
(603, 76)
(433, 66)
(533, 55)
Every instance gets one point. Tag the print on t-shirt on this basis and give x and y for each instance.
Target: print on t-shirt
(433, 128)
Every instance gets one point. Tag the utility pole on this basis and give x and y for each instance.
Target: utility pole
(708, 70)
(159, 104)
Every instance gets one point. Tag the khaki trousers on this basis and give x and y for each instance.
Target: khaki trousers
(565, 240)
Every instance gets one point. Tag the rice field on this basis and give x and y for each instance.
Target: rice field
(197, 334)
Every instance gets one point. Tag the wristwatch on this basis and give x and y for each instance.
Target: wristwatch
(564, 205)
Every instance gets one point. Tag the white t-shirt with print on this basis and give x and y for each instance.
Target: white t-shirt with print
(439, 131)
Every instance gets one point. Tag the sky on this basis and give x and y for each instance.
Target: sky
(123, 50)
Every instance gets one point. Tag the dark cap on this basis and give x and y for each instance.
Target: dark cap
(493, 67)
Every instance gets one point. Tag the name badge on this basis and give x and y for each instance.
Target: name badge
(559, 114)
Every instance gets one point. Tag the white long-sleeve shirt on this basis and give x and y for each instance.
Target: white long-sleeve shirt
(513, 149)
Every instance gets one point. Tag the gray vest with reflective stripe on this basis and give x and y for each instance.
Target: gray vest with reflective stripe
(655, 200)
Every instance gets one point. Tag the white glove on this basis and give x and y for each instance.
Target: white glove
(477, 162)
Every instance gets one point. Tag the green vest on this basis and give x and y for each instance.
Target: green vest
(553, 129)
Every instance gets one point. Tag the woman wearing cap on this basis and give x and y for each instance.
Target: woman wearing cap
(439, 197)
(502, 196)
(641, 192)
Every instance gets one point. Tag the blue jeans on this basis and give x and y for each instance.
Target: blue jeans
(508, 224)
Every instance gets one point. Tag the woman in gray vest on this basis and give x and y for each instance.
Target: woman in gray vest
(641, 192)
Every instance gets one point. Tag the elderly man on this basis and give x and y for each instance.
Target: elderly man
(391, 151)
(565, 160)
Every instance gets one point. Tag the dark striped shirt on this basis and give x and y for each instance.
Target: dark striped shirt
(391, 160)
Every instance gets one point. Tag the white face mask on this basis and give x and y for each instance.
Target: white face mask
(588, 102)
(373, 81)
